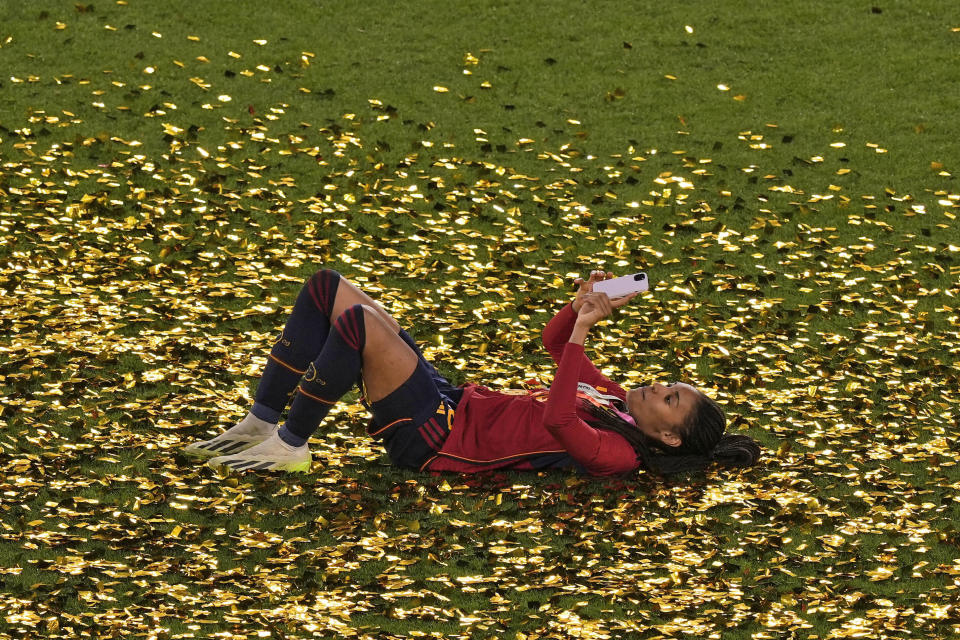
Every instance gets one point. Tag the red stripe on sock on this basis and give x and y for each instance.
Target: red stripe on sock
(354, 332)
(348, 323)
(341, 328)
(345, 332)
(319, 283)
(323, 288)
(312, 288)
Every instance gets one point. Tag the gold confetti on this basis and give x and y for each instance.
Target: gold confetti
(154, 239)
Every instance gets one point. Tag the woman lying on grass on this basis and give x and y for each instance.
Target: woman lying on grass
(337, 336)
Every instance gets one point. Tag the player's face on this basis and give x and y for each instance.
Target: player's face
(661, 411)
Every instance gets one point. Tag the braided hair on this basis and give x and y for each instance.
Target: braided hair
(702, 440)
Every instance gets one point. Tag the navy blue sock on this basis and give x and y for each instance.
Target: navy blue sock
(299, 344)
(265, 413)
(328, 378)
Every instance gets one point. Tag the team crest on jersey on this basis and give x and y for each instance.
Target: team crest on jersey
(584, 389)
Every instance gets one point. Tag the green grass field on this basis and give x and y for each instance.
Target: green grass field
(171, 172)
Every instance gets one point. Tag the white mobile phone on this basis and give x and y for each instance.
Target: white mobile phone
(623, 286)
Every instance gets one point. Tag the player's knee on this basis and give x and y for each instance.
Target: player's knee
(353, 313)
(370, 314)
(371, 317)
(322, 288)
(324, 275)
(359, 313)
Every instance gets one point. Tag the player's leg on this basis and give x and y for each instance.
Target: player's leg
(324, 296)
(348, 294)
(299, 344)
(413, 420)
(301, 340)
(361, 341)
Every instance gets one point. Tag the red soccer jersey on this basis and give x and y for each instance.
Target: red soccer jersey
(537, 429)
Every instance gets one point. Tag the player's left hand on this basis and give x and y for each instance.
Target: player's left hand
(586, 286)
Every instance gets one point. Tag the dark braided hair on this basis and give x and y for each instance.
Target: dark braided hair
(702, 440)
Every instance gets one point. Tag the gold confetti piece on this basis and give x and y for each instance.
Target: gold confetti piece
(723, 87)
(879, 574)
(440, 89)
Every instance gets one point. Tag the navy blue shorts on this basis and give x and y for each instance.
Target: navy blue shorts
(414, 421)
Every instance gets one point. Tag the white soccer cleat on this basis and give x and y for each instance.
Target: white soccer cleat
(272, 454)
(248, 432)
